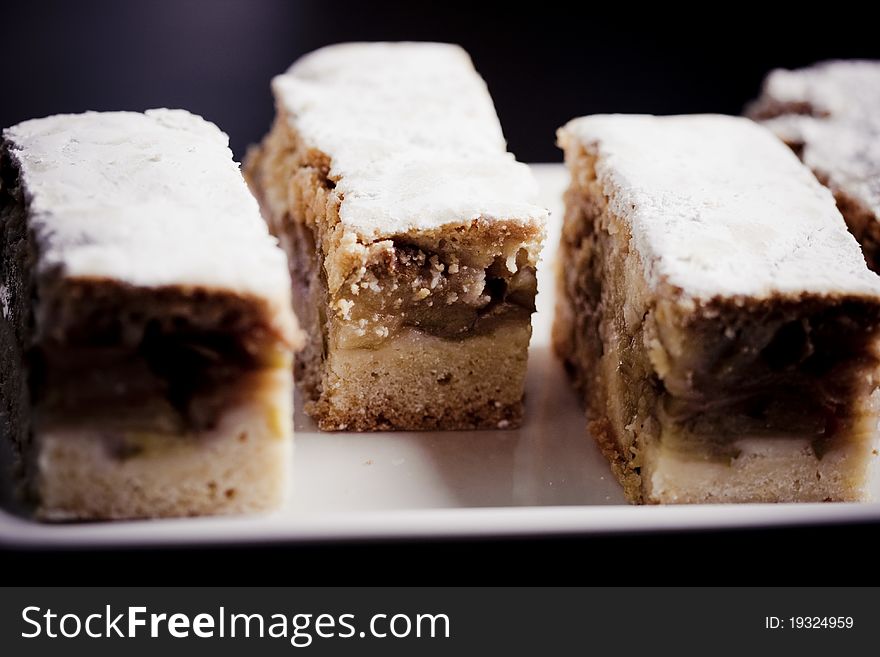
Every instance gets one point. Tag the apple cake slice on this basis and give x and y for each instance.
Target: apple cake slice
(412, 238)
(147, 333)
(716, 314)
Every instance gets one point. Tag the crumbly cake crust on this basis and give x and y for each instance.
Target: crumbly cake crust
(828, 114)
(411, 240)
(751, 391)
(240, 466)
(132, 362)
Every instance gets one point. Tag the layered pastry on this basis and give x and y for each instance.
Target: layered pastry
(147, 332)
(830, 115)
(716, 314)
(412, 238)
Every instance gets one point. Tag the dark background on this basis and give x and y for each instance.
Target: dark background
(544, 66)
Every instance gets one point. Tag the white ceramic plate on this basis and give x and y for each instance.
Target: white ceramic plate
(547, 477)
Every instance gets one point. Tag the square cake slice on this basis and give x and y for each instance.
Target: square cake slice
(830, 115)
(716, 314)
(412, 238)
(147, 332)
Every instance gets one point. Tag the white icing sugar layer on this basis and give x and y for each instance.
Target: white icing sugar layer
(718, 206)
(151, 199)
(412, 134)
(841, 133)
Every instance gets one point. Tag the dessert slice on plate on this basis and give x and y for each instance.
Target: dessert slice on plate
(412, 238)
(716, 314)
(147, 333)
(830, 115)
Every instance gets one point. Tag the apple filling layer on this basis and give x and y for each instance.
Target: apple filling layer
(440, 295)
(171, 362)
(791, 371)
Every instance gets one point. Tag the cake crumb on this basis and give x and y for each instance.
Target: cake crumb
(4, 300)
(344, 306)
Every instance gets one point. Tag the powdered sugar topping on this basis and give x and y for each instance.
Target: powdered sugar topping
(412, 134)
(719, 207)
(836, 119)
(149, 199)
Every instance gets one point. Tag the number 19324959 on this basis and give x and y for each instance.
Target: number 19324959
(809, 622)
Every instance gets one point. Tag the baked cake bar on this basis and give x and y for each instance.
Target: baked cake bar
(411, 235)
(716, 314)
(830, 114)
(147, 330)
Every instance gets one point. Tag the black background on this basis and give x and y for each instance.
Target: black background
(543, 65)
(802, 556)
